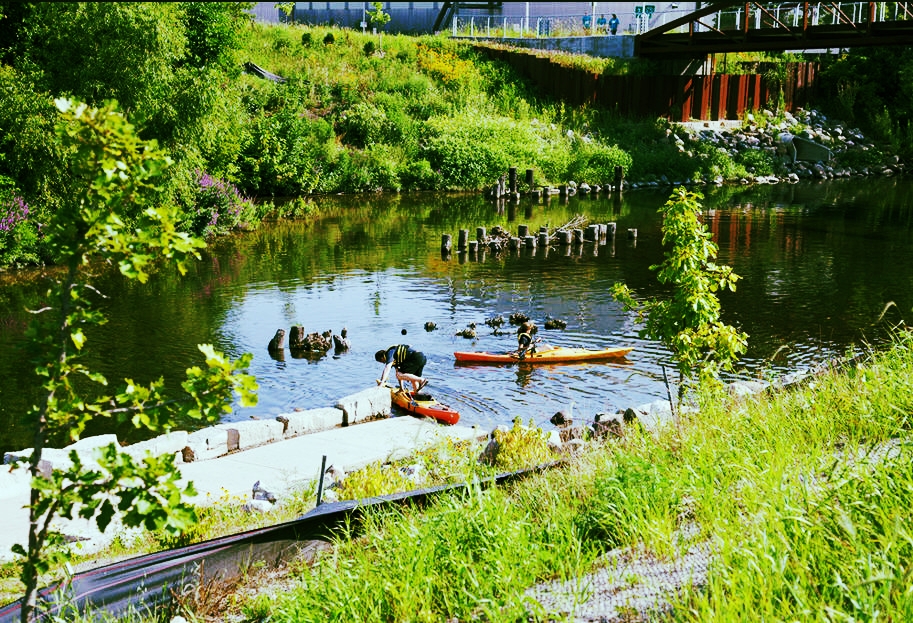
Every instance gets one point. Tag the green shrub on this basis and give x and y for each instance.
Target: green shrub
(374, 169)
(595, 163)
(307, 39)
(418, 175)
(369, 48)
(363, 124)
(329, 39)
(18, 232)
(219, 208)
(287, 154)
(471, 152)
(757, 162)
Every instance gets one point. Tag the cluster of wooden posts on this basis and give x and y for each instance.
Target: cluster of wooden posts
(509, 188)
(499, 239)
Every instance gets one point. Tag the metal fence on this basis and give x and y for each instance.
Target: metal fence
(778, 15)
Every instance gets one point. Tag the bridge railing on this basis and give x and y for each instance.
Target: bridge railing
(775, 15)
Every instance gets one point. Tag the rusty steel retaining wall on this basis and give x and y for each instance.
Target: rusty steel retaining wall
(675, 97)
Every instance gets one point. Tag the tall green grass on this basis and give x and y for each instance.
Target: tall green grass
(803, 496)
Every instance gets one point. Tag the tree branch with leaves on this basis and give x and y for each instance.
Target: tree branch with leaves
(688, 323)
(114, 174)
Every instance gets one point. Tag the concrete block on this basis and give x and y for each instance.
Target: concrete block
(365, 405)
(15, 484)
(169, 443)
(207, 443)
(310, 421)
(87, 445)
(242, 435)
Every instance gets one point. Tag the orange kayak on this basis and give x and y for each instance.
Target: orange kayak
(553, 354)
(423, 404)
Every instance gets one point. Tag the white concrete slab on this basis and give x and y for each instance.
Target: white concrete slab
(282, 465)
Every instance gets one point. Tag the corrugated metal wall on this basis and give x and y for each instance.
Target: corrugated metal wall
(677, 98)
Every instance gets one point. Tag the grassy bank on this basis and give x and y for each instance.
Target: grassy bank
(801, 496)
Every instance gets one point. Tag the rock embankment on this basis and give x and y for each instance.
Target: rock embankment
(806, 145)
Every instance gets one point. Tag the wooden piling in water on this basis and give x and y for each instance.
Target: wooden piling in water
(512, 180)
(522, 231)
(446, 243)
(462, 239)
(591, 233)
(564, 238)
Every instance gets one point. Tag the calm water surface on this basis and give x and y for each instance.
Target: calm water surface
(820, 263)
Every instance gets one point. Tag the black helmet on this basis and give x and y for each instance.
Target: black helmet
(381, 356)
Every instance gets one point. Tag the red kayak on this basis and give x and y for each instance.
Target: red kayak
(547, 354)
(423, 404)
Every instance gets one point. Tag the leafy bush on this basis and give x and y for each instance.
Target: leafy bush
(364, 124)
(18, 233)
(287, 154)
(418, 175)
(329, 39)
(757, 162)
(374, 169)
(219, 208)
(369, 48)
(593, 162)
(471, 152)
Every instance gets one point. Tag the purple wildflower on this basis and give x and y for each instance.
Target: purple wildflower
(12, 213)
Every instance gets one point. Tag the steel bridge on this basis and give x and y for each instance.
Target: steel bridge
(722, 27)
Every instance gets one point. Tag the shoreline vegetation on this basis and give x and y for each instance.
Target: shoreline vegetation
(796, 500)
(421, 113)
(799, 500)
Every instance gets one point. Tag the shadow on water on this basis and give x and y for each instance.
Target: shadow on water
(819, 264)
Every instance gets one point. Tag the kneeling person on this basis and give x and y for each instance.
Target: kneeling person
(408, 363)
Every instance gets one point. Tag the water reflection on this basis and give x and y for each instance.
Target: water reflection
(819, 263)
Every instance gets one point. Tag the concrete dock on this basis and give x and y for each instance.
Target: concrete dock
(280, 464)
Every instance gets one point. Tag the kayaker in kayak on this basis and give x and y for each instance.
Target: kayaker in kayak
(408, 363)
(525, 341)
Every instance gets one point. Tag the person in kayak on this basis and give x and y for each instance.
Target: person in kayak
(525, 341)
(408, 363)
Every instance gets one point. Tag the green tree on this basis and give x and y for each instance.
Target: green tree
(379, 19)
(114, 172)
(689, 323)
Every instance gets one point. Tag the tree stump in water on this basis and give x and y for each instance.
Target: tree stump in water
(278, 342)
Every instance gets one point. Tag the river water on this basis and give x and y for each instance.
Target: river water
(825, 267)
